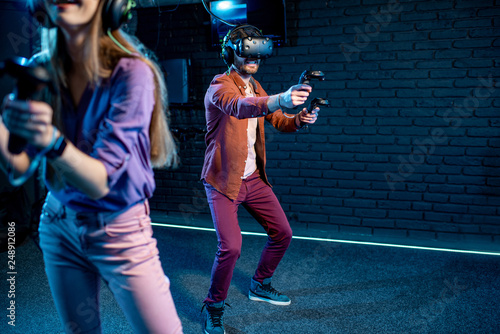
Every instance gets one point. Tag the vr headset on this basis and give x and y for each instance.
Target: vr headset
(254, 46)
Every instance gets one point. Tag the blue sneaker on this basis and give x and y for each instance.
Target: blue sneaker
(266, 293)
(213, 321)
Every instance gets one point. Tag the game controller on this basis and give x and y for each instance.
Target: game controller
(316, 103)
(306, 76)
(30, 82)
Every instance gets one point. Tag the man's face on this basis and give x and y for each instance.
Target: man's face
(246, 66)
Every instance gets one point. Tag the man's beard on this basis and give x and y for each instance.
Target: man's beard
(244, 70)
(247, 70)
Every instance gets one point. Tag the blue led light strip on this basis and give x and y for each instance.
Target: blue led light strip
(340, 241)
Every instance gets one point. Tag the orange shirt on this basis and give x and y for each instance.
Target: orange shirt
(227, 110)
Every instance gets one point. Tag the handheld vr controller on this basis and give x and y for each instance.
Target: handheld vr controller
(306, 76)
(30, 82)
(316, 103)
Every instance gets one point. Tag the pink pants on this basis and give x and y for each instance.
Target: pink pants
(81, 248)
(258, 198)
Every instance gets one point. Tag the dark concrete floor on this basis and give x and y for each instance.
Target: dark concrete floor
(334, 287)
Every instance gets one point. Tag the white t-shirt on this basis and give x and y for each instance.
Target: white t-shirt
(250, 162)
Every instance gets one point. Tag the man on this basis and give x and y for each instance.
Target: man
(234, 169)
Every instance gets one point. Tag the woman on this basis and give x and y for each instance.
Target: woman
(101, 135)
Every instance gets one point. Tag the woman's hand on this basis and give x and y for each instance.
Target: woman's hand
(31, 120)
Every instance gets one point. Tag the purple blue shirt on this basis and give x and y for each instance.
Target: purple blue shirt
(111, 124)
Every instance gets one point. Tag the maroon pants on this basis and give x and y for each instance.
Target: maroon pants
(259, 199)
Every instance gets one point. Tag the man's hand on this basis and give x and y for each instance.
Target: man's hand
(305, 117)
(295, 96)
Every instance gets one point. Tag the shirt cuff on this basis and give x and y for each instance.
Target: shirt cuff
(273, 103)
(297, 120)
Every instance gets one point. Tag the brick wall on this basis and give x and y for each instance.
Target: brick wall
(410, 147)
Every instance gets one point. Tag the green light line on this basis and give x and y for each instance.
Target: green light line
(340, 241)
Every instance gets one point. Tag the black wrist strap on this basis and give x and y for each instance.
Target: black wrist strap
(58, 148)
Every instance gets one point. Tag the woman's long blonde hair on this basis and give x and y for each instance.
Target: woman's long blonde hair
(101, 54)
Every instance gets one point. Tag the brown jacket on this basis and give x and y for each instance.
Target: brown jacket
(227, 110)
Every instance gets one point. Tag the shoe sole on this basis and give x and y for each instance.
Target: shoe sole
(270, 301)
(204, 331)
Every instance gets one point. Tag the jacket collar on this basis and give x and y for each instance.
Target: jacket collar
(238, 81)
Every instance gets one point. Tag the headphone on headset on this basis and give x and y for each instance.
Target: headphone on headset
(115, 13)
(254, 45)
